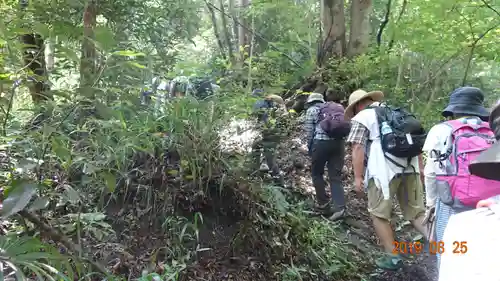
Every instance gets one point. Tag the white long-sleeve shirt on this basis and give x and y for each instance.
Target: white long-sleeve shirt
(438, 139)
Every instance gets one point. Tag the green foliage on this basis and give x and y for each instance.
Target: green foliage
(321, 250)
(24, 258)
(88, 151)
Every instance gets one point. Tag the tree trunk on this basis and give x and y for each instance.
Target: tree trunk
(34, 60)
(242, 32)
(216, 29)
(88, 59)
(359, 35)
(49, 54)
(233, 14)
(227, 34)
(333, 24)
(401, 13)
(252, 46)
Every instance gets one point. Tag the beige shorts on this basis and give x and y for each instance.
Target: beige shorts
(411, 198)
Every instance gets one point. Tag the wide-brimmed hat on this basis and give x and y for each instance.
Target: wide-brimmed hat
(359, 95)
(315, 97)
(466, 100)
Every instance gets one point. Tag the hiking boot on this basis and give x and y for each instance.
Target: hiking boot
(389, 262)
(338, 215)
(324, 209)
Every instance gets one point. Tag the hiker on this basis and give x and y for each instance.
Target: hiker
(269, 112)
(386, 147)
(145, 97)
(202, 87)
(450, 146)
(326, 130)
(179, 87)
(160, 89)
(479, 228)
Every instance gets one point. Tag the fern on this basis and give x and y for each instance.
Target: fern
(26, 256)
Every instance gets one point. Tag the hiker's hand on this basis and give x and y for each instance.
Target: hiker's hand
(428, 213)
(485, 203)
(358, 186)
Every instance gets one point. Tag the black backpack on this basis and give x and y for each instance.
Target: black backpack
(202, 88)
(407, 137)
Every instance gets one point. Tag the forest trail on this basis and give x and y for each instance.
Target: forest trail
(358, 227)
(140, 242)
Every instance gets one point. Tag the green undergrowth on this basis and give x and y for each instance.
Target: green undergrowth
(316, 248)
(60, 177)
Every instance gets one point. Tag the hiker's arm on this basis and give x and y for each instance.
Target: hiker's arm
(358, 159)
(430, 182)
(421, 162)
(309, 123)
(358, 136)
(421, 167)
(433, 144)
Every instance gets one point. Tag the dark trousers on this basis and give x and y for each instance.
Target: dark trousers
(328, 153)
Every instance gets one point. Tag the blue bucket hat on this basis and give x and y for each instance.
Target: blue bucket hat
(257, 92)
(466, 100)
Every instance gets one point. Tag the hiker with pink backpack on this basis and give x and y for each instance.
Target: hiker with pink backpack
(450, 148)
(477, 229)
(326, 130)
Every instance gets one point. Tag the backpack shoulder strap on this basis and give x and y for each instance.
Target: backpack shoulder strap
(458, 124)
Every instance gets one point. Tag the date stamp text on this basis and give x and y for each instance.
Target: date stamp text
(433, 247)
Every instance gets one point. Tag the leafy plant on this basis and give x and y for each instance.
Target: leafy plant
(23, 258)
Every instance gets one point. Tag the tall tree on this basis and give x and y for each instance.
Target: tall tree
(88, 58)
(233, 14)
(34, 60)
(359, 35)
(216, 29)
(227, 34)
(333, 30)
(242, 32)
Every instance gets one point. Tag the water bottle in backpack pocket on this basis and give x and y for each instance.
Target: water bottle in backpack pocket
(468, 141)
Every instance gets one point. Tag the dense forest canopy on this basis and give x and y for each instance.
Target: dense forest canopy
(83, 164)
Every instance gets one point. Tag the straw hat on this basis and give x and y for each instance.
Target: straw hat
(315, 97)
(275, 98)
(359, 95)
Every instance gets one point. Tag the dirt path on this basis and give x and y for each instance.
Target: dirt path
(358, 227)
(142, 241)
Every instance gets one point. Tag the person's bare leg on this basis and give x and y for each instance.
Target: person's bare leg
(384, 231)
(419, 226)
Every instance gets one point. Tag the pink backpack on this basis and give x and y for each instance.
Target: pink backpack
(469, 140)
